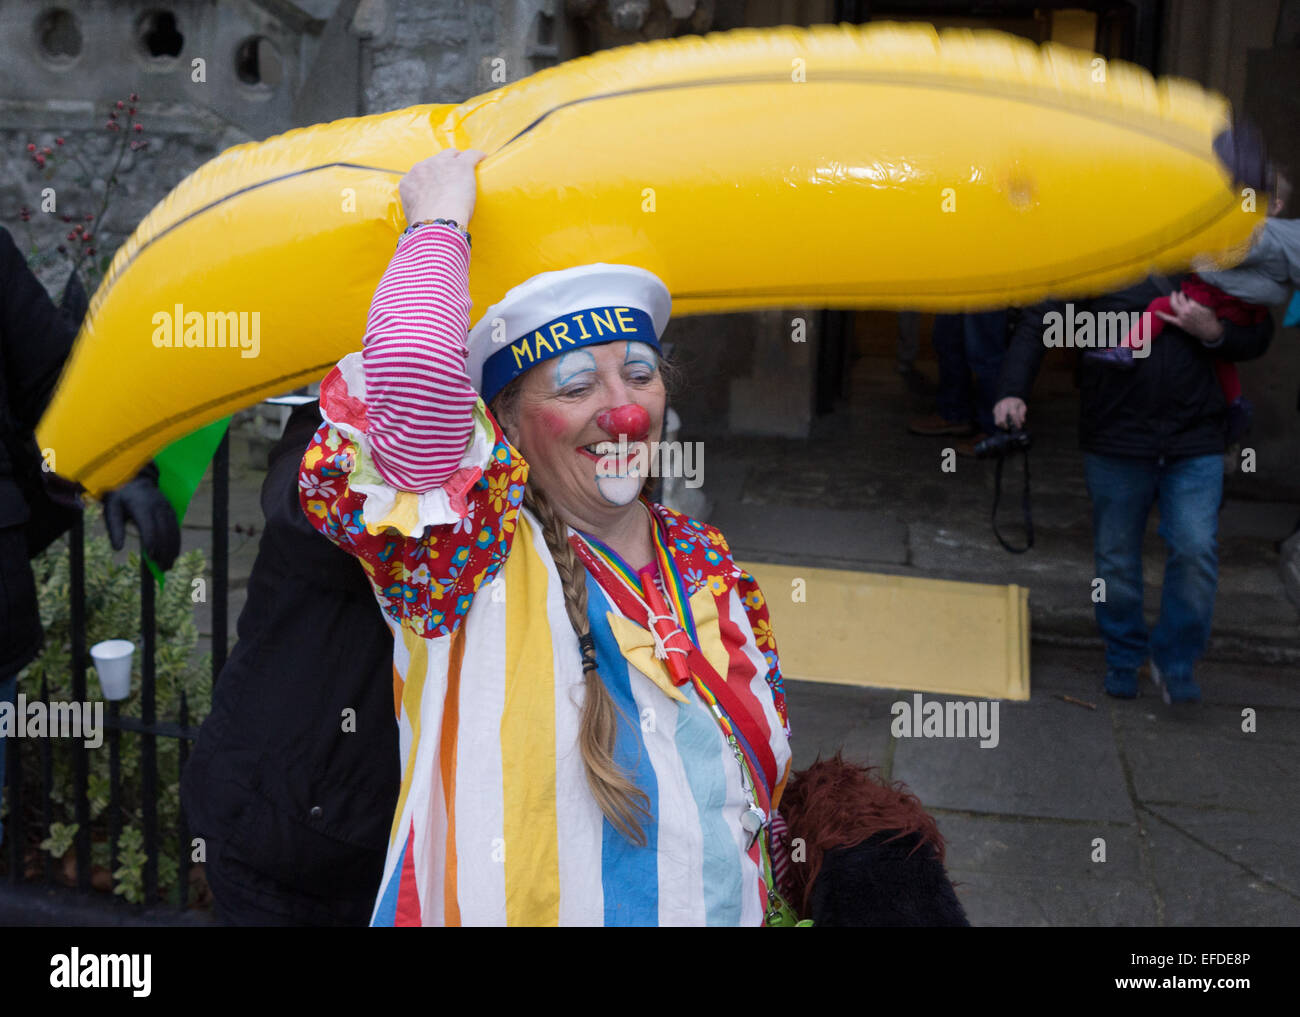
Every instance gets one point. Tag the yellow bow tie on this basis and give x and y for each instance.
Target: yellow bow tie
(638, 646)
(637, 643)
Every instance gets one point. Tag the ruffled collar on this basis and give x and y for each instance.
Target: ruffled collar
(699, 550)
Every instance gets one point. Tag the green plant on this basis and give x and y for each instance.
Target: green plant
(129, 876)
(112, 597)
(59, 842)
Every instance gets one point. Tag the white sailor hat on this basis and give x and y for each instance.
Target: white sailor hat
(554, 312)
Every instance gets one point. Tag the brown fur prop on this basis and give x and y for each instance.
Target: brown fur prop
(837, 804)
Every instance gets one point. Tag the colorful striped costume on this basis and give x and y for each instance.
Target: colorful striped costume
(495, 823)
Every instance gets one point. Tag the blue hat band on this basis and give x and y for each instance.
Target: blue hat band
(590, 326)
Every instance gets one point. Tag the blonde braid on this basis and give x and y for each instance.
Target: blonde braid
(623, 803)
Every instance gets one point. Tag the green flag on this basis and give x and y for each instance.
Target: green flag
(181, 466)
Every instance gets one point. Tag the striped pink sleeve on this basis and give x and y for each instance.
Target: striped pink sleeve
(419, 400)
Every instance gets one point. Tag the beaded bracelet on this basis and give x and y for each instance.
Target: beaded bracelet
(429, 222)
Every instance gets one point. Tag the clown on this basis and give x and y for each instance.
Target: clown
(590, 707)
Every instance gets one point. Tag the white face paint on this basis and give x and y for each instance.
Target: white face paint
(620, 475)
(620, 489)
(557, 426)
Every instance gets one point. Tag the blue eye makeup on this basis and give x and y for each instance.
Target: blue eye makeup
(640, 353)
(571, 365)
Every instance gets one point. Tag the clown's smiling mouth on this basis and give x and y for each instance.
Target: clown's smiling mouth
(602, 449)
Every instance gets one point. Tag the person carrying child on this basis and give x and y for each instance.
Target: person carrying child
(1241, 295)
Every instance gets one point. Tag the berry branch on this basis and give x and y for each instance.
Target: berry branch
(79, 242)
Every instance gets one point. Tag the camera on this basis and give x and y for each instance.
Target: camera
(1003, 443)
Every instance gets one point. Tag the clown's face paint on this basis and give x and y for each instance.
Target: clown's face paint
(572, 412)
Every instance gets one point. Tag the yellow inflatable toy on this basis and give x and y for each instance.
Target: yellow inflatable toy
(838, 166)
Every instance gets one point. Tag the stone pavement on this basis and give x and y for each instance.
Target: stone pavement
(1198, 817)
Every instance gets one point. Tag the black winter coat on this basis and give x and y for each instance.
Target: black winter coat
(1170, 404)
(35, 339)
(296, 809)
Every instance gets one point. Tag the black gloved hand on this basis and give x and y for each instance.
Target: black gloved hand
(140, 501)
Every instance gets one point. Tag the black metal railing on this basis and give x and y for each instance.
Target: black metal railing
(147, 726)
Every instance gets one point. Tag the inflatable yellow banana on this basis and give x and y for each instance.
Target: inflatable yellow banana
(839, 166)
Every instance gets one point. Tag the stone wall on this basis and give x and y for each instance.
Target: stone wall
(446, 52)
(244, 62)
(180, 140)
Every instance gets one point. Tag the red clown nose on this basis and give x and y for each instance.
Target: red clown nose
(630, 420)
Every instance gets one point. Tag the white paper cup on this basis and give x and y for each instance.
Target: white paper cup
(113, 663)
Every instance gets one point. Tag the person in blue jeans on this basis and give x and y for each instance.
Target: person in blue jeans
(1188, 491)
(1151, 437)
(966, 345)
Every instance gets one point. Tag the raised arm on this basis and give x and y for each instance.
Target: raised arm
(419, 399)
